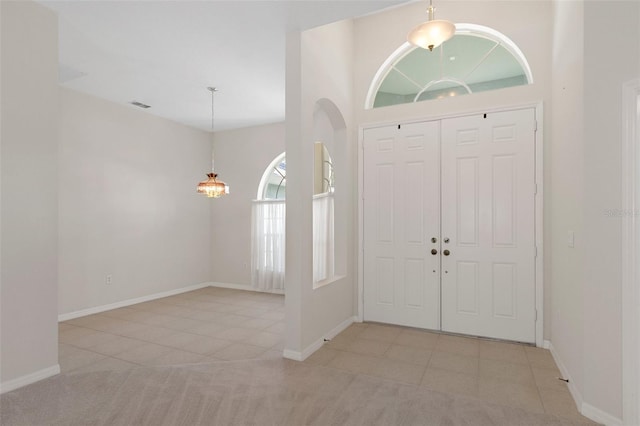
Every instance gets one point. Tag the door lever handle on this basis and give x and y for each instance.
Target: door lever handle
(446, 252)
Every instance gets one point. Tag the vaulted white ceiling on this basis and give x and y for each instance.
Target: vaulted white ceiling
(165, 53)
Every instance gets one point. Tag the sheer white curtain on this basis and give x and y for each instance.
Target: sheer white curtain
(323, 240)
(268, 248)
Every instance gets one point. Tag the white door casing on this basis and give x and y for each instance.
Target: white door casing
(488, 198)
(401, 198)
(488, 205)
(630, 249)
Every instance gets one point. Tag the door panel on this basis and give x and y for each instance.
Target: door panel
(402, 209)
(481, 211)
(488, 177)
(467, 203)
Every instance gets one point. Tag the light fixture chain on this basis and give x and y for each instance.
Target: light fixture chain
(213, 91)
(212, 187)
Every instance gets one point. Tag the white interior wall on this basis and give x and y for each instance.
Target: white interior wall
(29, 171)
(298, 224)
(319, 66)
(611, 58)
(241, 157)
(584, 281)
(578, 79)
(528, 24)
(128, 205)
(565, 192)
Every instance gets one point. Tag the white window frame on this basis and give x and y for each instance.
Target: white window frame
(265, 176)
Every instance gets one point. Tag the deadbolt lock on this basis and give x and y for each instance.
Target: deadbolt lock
(434, 240)
(446, 240)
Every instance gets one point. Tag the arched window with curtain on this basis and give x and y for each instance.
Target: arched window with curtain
(268, 229)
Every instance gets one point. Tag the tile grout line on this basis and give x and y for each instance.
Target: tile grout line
(141, 341)
(208, 354)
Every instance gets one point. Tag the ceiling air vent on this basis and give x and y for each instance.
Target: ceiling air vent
(140, 104)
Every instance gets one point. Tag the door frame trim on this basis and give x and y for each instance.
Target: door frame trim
(539, 201)
(630, 225)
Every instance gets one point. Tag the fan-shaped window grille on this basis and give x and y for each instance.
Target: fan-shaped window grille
(273, 185)
(476, 59)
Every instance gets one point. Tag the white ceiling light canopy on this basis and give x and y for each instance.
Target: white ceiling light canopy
(432, 33)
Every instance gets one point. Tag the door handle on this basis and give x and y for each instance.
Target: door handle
(434, 252)
(446, 252)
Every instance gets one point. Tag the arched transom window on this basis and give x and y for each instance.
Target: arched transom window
(268, 228)
(476, 59)
(273, 185)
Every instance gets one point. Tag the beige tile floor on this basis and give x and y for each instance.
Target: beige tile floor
(502, 373)
(214, 324)
(211, 324)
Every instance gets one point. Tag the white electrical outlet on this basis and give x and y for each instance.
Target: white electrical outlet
(108, 279)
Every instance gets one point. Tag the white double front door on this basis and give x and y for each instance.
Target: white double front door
(449, 225)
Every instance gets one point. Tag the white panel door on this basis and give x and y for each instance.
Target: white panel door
(488, 217)
(402, 215)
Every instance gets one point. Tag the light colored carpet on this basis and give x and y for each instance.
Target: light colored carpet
(253, 392)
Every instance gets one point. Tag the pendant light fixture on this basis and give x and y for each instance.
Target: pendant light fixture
(432, 33)
(212, 187)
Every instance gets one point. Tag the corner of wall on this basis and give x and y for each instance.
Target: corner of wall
(309, 350)
(29, 155)
(586, 409)
(28, 379)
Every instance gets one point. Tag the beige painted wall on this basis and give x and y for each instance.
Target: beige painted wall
(611, 58)
(565, 163)
(319, 66)
(127, 202)
(29, 172)
(241, 157)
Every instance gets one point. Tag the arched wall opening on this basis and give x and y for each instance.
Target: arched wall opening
(329, 131)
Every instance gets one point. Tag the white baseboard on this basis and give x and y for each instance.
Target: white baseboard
(25, 380)
(294, 355)
(575, 393)
(340, 327)
(309, 350)
(546, 344)
(129, 302)
(586, 409)
(597, 415)
(246, 287)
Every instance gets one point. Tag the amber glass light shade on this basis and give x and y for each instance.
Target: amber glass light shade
(212, 188)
